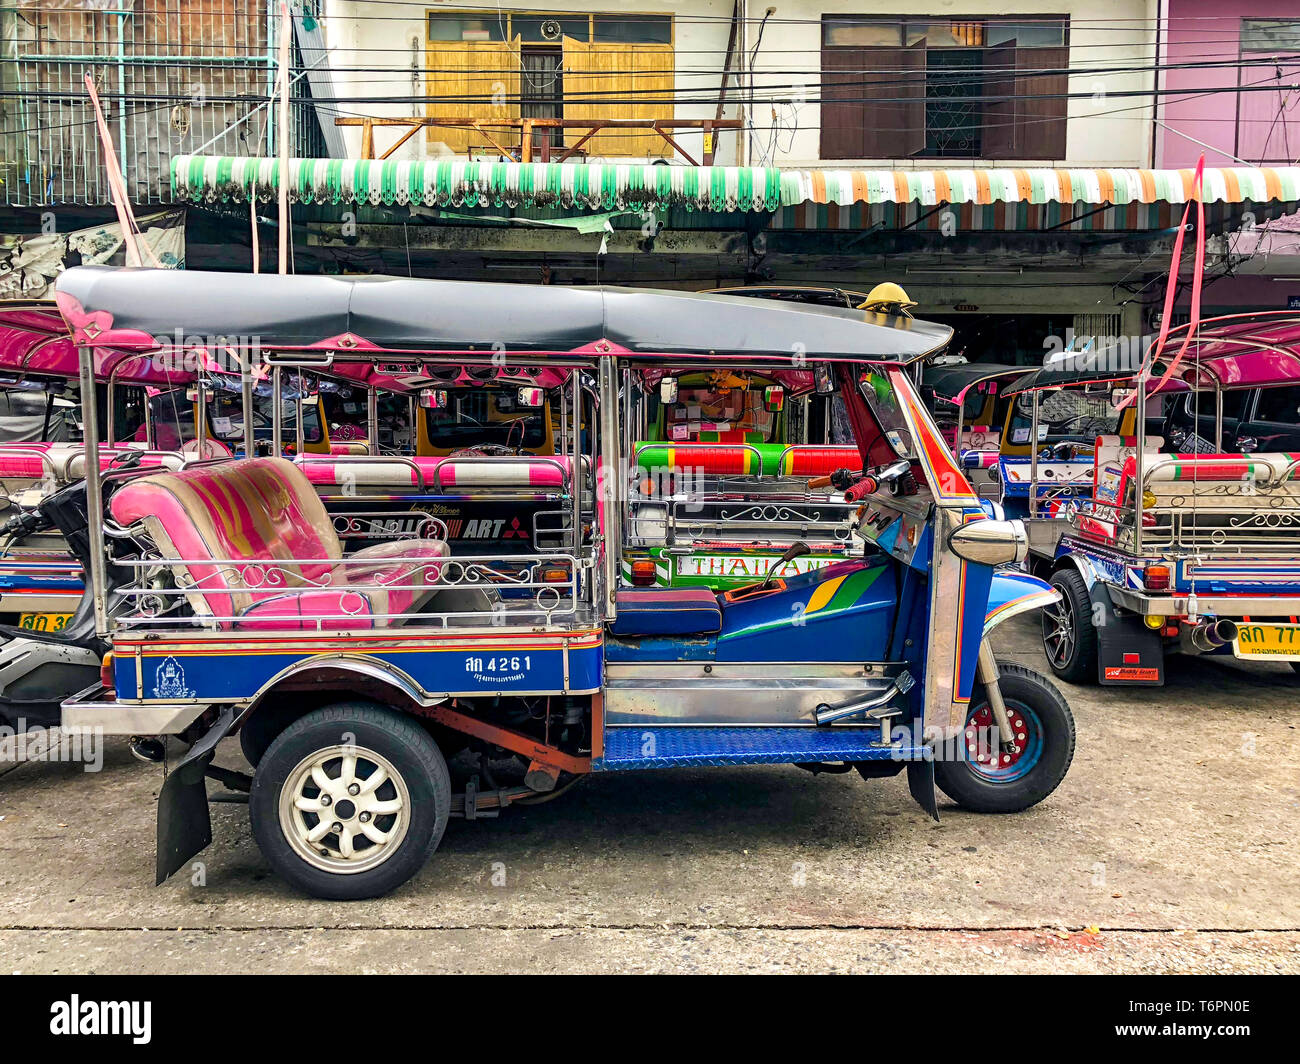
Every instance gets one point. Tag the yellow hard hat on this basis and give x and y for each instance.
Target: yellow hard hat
(887, 293)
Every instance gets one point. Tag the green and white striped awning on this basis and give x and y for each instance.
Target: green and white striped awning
(985, 199)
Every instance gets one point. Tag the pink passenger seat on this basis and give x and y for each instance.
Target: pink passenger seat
(208, 519)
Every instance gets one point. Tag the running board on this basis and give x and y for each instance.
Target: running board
(752, 694)
(659, 747)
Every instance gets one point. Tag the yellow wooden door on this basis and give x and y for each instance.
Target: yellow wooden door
(486, 70)
(625, 73)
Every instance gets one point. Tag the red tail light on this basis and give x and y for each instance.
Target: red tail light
(643, 574)
(1156, 578)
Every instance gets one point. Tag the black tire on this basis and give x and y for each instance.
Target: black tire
(417, 765)
(1021, 687)
(1069, 636)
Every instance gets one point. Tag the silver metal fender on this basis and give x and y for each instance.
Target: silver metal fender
(1080, 565)
(1013, 593)
(378, 671)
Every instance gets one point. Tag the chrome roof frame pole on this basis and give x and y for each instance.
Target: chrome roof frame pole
(94, 491)
(246, 387)
(609, 491)
(277, 415)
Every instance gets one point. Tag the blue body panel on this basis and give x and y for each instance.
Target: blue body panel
(842, 612)
(41, 577)
(494, 665)
(1259, 575)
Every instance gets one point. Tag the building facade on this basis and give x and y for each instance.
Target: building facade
(994, 157)
(1232, 92)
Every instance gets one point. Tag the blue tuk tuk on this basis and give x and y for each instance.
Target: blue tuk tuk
(352, 678)
(1179, 533)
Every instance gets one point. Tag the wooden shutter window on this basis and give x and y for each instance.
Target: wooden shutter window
(873, 102)
(627, 73)
(474, 69)
(843, 113)
(1042, 106)
(1000, 136)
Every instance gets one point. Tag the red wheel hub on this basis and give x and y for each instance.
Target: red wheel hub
(980, 747)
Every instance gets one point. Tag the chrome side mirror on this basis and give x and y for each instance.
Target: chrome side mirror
(823, 379)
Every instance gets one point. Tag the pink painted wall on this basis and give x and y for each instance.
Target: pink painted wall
(1254, 126)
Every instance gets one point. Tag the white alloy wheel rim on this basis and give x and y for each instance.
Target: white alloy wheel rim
(345, 809)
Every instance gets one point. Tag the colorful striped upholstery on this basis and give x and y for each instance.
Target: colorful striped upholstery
(657, 611)
(763, 459)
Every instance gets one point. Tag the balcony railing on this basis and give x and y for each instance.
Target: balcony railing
(530, 139)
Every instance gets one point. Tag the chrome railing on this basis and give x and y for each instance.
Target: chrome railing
(543, 589)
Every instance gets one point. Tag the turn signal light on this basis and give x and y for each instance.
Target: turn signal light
(555, 576)
(106, 676)
(643, 574)
(1156, 578)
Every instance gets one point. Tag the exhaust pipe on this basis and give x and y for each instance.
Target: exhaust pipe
(1213, 634)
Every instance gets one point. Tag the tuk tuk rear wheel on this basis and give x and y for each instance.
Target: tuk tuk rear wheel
(1069, 637)
(997, 781)
(350, 800)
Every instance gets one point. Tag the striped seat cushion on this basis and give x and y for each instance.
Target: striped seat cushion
(667, 611)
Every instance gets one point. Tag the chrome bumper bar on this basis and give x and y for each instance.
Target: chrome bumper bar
(97, 709)
(1175, 605)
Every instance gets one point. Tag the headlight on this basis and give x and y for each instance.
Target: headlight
(990, 542)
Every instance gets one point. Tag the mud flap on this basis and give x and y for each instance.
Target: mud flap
(920, 782)
(1128, 652)
(184, 826)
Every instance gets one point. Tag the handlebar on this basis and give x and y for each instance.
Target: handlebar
(857, 492)
(25, 523)
(857, 486)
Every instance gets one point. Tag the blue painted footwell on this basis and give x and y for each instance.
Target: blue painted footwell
(659, 747)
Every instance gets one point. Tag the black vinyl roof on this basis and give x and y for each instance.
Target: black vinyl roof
(410, 315)
(949, 380)
(1079, 369)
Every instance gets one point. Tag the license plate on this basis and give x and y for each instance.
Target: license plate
(1278, 641)
(43, 622)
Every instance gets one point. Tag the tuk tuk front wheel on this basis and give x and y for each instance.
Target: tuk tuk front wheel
(989, 779)
(350, 800)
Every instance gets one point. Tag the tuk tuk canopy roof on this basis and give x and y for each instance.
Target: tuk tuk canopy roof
(35, 342)
(142, 309)
(1235, 351)
(951, 381)
(1093, 368)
